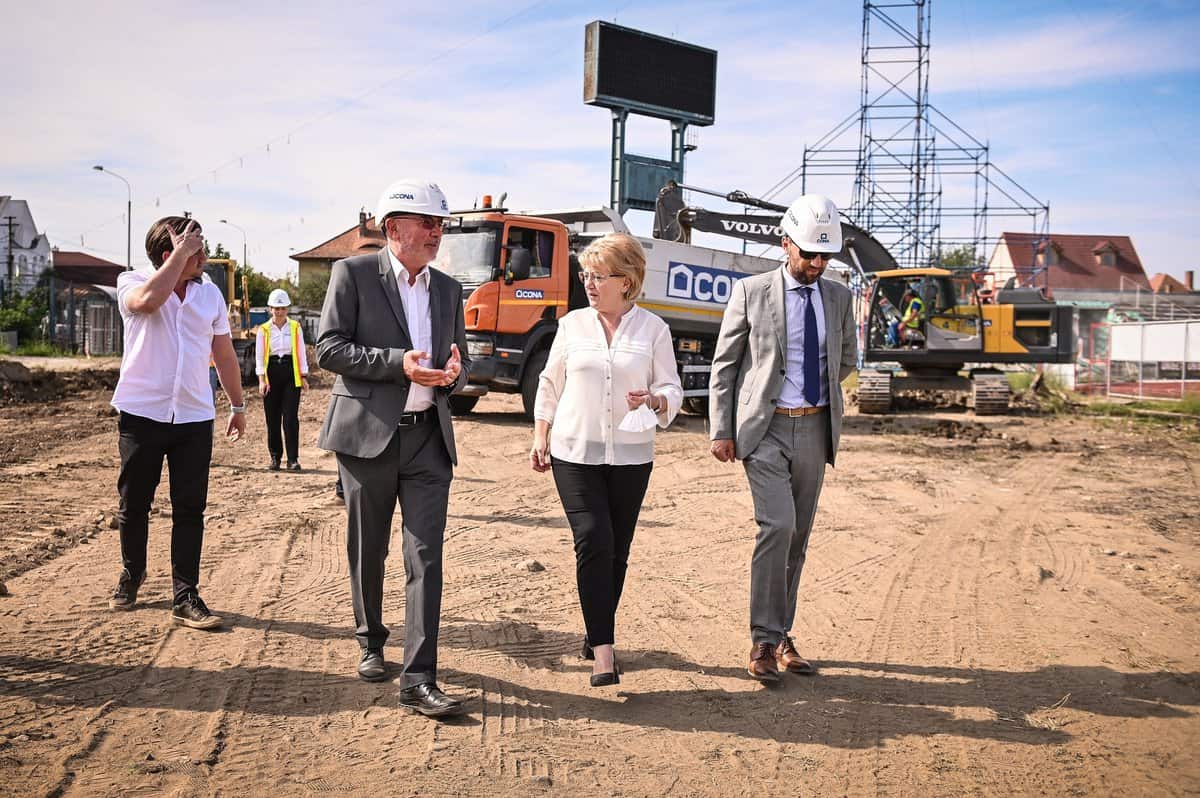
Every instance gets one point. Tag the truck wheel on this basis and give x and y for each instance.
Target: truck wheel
(461, 405)
(529, 383)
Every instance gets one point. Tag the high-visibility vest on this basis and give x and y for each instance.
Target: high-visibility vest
(265, 330)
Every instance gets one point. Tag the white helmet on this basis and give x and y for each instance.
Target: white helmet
(813, 224)
(411, 196)
(279, 299)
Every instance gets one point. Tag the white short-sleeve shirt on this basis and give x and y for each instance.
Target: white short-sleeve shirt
(164, 371)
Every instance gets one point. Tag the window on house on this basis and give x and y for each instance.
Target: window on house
(1108, 258)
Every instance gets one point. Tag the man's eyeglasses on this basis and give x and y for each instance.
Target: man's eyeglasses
(427, 222)
(828, 256)
(598, 279)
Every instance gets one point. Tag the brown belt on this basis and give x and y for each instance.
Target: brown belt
(800, 411)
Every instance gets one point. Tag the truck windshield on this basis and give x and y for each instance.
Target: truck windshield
(469, 257)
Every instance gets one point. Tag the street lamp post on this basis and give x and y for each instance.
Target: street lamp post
(128, 214)
(243, 232)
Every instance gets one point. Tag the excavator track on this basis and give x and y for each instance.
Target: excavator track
(874, 392)
(990, 394)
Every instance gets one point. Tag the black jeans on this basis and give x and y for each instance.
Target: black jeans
(282, 406)
(602, 503)
(143, 444)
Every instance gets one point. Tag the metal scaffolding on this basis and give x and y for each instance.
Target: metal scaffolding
(922, 184)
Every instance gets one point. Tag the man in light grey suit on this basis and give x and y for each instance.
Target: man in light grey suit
(392, 330)
(775, 402)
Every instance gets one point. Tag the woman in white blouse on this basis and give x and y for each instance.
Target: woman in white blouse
(607, 360)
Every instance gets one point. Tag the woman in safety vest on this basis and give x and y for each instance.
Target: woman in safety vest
(282, 369)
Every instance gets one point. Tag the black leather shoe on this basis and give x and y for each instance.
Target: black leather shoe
(125, 594)
(607, 679)
(430, 701)
(194, 613)
(372, 667)
(293, 465)
(274, 466)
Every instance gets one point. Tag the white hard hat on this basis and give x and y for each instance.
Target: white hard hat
(278, 299)
(411, 196)
(813, 224)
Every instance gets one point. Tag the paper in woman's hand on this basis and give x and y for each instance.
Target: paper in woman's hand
(639, 420)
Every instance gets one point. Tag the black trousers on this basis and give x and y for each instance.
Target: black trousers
(282, 408)
(602, 503)
(143, 444)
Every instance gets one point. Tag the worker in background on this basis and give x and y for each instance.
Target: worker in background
(174, 322)
(912, 315)
(787, 342)
(891, 318)
(282, 368)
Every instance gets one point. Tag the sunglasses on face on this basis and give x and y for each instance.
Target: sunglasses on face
(828, 256)
(426, 222)
(593, 277)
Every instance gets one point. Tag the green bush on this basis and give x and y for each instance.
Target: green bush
(26, 313)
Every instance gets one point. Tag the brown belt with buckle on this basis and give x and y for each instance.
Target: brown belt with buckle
(800, 411)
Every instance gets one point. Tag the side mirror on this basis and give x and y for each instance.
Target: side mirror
(519, 262)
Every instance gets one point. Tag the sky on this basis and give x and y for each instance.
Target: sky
(287, 118)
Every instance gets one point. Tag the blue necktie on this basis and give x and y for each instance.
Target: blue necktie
(812, 351)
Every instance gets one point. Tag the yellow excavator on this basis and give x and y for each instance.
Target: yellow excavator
(224, 273)
(945, 332)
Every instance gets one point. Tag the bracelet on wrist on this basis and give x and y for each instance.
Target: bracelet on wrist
(237, 408)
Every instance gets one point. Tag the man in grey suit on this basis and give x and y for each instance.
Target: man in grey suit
(775, 402)
(392, 330)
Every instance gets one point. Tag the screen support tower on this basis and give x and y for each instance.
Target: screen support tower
(922, 184)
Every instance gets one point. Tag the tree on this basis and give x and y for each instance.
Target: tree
(311, 293)
(26, 313)
(961, 257)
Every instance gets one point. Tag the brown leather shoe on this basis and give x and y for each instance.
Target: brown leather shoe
(789, 659)
(763, 665)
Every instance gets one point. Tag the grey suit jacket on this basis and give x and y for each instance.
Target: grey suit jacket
(751, 355)
(363, 338)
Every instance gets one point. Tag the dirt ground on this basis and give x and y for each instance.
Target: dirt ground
(997, 606)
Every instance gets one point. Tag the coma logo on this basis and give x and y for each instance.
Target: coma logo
(685, 281)
(529, 293)
(402, 197)
(824, 239)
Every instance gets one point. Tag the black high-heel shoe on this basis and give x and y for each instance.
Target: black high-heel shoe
(586, 652)
(607, 679)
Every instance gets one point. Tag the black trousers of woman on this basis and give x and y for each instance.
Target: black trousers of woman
(602, 503)
(282, 407)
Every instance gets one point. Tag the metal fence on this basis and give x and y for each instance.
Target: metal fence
(1154, 360)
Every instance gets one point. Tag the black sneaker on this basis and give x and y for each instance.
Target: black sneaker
(193, 613)
(274, 466)
(293, 465)
(125, 594)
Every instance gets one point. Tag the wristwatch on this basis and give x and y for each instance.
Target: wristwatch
(237, 408)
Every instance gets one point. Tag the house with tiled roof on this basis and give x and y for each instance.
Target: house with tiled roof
(358, 240)
(24, 252)
(1069, 262)
(1166, 284)
(80, 267)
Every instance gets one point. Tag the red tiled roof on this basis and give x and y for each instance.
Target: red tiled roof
(80, 267)
(1166, 284)
(1077, 267)
(354, 241)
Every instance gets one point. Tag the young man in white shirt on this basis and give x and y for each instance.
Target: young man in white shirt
(175, 320)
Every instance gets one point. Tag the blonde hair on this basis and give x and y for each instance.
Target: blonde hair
(624, 257)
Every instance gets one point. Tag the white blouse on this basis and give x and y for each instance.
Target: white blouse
(581, 393)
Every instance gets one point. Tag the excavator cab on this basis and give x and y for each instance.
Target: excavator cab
(924, 316)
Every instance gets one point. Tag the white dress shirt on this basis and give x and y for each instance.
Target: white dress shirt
(281, 344)
(581, 393)
(795, 306)
(415, 299)
(164, 371)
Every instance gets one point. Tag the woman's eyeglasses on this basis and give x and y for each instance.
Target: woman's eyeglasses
(598, 279)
